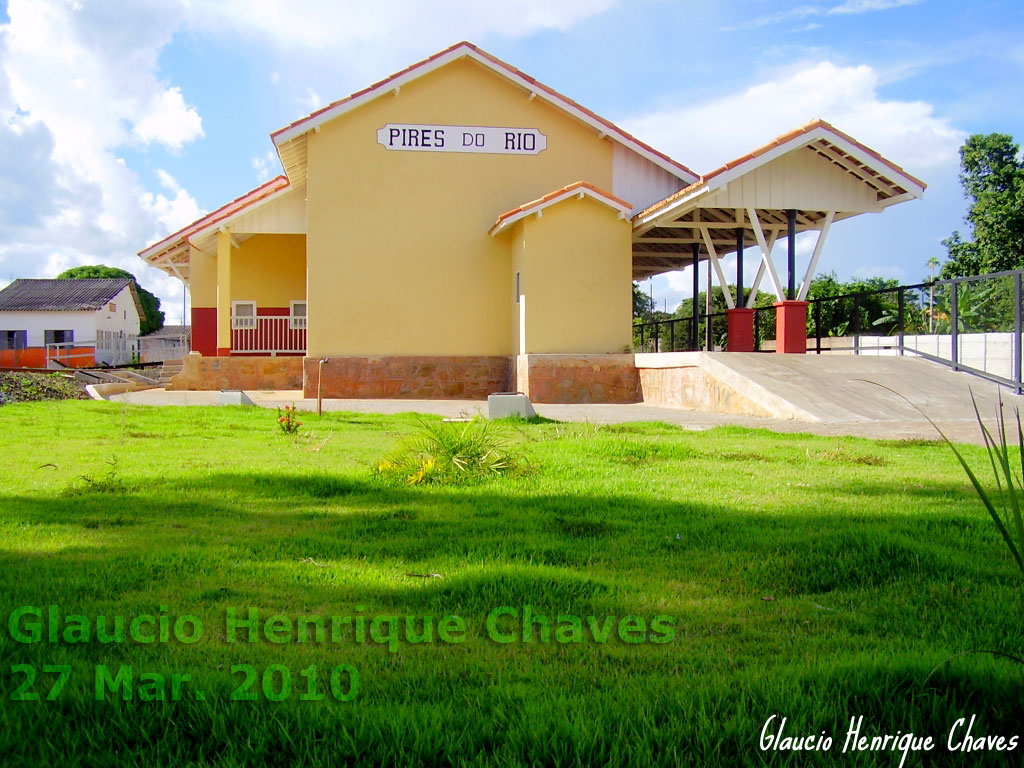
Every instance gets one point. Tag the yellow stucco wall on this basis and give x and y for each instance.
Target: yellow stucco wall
(202, 279)
(575, 267)
(400, 259)
(270, 270)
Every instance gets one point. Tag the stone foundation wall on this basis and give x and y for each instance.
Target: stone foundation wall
(578, 378)
(545, 378)
(694, 390)
(418, 378)
(698, 381)
(216, 373)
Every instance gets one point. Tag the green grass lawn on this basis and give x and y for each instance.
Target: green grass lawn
(816, 578)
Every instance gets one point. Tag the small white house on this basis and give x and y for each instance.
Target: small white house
(79, 323)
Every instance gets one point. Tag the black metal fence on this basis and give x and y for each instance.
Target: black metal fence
(971, 324)
(672, 335)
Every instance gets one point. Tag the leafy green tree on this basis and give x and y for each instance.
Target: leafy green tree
(643, 304)
(876, 314)
(992, 175)
(153, 319)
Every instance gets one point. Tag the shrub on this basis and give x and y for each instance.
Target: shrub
(287, 420)
(448, 453)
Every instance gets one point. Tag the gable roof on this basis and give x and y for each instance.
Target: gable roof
(68, 295)
(892, 183)
(579, 189)
(293, 158)
(178, 240)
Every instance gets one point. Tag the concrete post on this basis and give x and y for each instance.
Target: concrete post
(791, 327)
(741, 329)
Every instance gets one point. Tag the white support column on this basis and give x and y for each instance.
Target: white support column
(760, 271)
(766, 254)
(813, 263)
(713, 256)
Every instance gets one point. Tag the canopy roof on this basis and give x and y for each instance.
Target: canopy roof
(813, 170)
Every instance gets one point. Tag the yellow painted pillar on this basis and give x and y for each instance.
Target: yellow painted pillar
(223, 293)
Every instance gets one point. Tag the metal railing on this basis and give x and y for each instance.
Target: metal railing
(270, 335)
(971, 324)
(672, 335)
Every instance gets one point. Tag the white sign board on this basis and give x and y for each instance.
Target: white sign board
(462, 138)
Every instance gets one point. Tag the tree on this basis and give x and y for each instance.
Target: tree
(153, 318)
(992, 175)
(643, 304)
(878, 313)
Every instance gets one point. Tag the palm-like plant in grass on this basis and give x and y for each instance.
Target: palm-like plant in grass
(449, 453)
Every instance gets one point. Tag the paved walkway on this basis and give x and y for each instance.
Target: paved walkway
(960, 430)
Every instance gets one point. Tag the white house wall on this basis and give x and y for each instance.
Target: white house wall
(123, 323)
(638, 181)
(35, 323)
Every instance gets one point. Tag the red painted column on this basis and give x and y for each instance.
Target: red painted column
(204, 331)
(791, 327)
(741, 329)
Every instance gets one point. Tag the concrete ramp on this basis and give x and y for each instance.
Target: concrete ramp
(814, 388)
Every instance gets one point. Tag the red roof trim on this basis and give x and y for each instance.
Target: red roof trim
(382, 85)
(550, 197)
(239, 203)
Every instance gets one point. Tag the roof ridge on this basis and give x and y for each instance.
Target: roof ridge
(557, 96)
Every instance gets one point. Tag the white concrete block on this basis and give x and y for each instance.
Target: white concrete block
(505, 404)
(233, 397)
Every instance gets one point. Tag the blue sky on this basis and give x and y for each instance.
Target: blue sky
(124, 121)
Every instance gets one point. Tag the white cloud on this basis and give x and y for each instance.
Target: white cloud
(311, 101)
(850, 7)
(169, 121)
(77, 84)
(347, 44)
(265, 165)
(331, 25)
(707, 134)
(175, 211)
(866, 6)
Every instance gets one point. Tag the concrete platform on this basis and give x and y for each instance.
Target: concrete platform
(815, 388)
(844, 388)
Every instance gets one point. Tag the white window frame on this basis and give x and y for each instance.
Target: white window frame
(297, 322)
(243, 322)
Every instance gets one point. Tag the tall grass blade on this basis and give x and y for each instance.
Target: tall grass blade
(992, 448)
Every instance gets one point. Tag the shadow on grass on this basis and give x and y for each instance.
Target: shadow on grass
(521, 546)
(322, 544)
